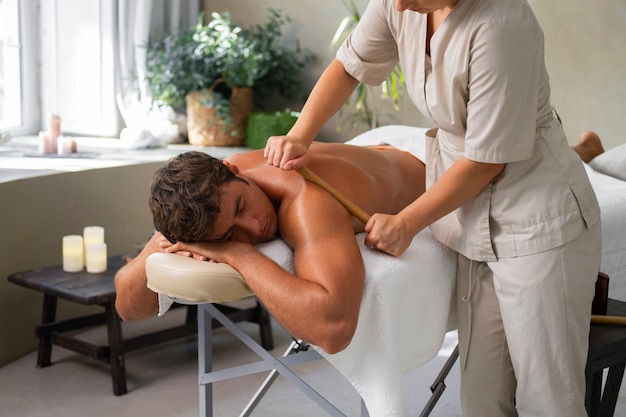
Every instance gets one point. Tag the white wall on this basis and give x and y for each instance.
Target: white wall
(586, 59)
(585, 55)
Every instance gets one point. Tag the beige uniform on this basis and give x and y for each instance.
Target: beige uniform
(529, 243)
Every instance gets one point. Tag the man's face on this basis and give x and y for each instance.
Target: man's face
(246, 214)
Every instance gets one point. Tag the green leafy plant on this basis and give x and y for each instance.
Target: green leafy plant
(255, 57)
(262, 125)
(366, 108)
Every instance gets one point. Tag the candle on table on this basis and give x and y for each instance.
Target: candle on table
(93, 234)
(96, 257)
(73, 260)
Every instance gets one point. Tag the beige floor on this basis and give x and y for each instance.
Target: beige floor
(162, 382)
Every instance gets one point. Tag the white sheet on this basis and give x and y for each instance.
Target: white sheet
(611, 194)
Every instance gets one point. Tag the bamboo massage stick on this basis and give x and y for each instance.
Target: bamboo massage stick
(360, 214)
(355, 210)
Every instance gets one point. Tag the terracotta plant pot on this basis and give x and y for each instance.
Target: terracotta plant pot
(204, 128)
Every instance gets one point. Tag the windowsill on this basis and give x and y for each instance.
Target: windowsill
(19, 157)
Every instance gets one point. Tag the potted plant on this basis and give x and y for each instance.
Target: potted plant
(216, 70)
(366, 109)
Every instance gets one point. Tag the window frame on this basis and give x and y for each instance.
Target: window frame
(28, 44)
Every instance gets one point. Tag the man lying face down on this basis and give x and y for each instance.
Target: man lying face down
(213, 209)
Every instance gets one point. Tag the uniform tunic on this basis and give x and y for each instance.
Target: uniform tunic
(486, 88)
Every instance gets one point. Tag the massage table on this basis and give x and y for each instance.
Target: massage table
(406, 311)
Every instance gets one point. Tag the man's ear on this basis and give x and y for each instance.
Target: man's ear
(233, 168)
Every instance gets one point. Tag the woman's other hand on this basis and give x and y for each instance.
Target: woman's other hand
(387, 233)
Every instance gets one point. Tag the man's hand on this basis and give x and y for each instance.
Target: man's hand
(169, 247)
(206, 251)
(285, 152)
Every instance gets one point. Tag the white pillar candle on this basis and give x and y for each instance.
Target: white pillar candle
(96, 257)
(65, 145)
(73, 253)
(93, 234)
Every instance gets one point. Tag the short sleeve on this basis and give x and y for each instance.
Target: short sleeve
(370, 52)
(507, 73)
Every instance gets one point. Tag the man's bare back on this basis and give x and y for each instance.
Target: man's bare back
(380, 179)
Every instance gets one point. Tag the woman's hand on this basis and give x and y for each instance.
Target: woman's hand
(388, 233)
(286, 152)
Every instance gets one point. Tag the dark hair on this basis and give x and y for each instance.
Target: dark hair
(185, 195)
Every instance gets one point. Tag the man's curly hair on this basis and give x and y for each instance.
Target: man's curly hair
(185, 195)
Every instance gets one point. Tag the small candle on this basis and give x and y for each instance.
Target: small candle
(93, 234)
(65, 146)
(54, 126)
(96, 257)
(73, 253)
(47, 144)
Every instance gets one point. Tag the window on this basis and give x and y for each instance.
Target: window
(19, 106)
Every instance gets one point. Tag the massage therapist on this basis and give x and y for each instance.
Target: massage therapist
(505, 191)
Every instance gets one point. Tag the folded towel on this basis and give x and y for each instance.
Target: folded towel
(405, 313)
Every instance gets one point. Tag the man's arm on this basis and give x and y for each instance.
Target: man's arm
(134, 300)
(319, 303)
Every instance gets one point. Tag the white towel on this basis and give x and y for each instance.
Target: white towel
(405, 313)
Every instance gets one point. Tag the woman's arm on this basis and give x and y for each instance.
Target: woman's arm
(330, 93)
(463, 181)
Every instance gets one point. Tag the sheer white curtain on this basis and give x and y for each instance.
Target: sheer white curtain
(137, 22)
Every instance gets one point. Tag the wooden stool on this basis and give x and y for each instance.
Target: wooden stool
(99, 289)
(607, 349)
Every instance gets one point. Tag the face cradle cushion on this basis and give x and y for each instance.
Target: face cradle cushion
(181, 277)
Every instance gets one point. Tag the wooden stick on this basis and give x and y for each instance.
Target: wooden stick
(355, 210)
(617, 320)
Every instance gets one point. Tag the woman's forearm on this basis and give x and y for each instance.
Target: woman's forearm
(462, 182)
(328, 96)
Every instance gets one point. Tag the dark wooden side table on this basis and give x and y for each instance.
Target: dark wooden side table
(607, 349)
(99, 289)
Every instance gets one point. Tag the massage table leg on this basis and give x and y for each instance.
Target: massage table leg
(439, 384)
(206, 314)
(295, 347)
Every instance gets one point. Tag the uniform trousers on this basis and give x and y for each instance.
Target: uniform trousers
(524, 330)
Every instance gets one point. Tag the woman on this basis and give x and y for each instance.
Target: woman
(505, 191)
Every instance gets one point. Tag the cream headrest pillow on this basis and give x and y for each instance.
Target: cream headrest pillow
(196, 281)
